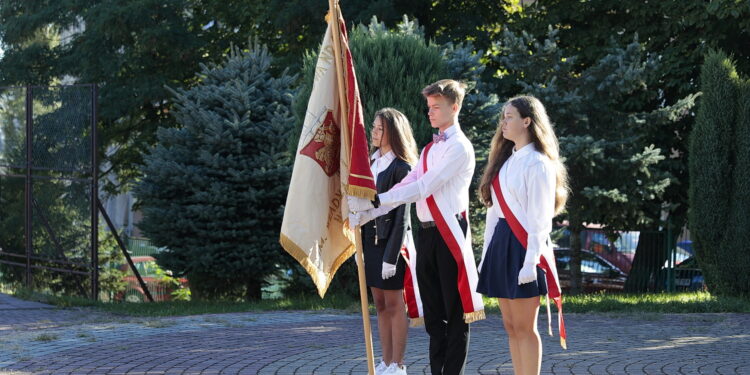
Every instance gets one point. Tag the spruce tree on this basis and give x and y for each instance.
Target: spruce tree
(214, 188)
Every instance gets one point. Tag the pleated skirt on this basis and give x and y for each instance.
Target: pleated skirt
(498, 277)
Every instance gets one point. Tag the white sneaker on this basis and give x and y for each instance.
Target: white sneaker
(395, 369)
(380, 368)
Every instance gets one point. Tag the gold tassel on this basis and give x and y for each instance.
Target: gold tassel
(563, 343)
(474, 316)
(416, 322)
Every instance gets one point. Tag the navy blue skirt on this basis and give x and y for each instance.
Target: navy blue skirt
(498, 277)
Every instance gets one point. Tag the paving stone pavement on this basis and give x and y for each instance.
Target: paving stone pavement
(38, 339)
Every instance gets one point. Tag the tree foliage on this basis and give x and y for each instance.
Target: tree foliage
(213, 189)
(676, 34)
(601, 132)
(719, 200)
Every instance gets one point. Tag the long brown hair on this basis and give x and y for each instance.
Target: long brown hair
(542, 136)
(398, 130)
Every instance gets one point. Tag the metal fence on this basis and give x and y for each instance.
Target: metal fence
(138, 246)
(631, 261)
(48, 185)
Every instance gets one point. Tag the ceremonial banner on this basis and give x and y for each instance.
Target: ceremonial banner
(332, 160)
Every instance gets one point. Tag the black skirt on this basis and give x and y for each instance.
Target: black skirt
(502, 262)
(374, 262)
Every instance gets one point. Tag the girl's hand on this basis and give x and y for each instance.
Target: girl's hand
(388, 270)
(527, 273)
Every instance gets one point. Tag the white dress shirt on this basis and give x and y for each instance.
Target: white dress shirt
(380, 162)
(450, 165)
(528, 180)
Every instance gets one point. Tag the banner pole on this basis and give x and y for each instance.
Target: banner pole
(334, 19)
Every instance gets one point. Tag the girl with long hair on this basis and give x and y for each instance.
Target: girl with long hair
(524, 186)
(382, 238)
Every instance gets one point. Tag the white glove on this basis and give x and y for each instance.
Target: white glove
(530, 260)
(357, 204)
(388, 270)
(527, 273)
(365, 216)
(353, 220)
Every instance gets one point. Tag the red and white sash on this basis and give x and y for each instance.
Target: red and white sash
(460, 247)
(546, 262)
(412, 297)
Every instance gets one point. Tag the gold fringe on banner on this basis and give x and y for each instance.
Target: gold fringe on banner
(301, 257)
(474, 316)
(361, 192)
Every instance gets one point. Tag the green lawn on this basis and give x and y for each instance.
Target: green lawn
(178, 308)
(693, 302)
(688, 302)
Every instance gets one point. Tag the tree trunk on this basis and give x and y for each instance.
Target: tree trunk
(198, 294)
(253, 292)
(650, 255)
(575, 260)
